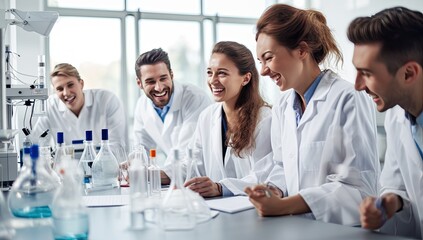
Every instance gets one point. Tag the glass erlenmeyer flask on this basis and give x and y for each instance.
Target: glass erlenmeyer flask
(32, 192)
(105, 168)
(192, 164)
(176, 212)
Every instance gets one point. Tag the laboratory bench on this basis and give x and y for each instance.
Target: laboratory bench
(114, 223)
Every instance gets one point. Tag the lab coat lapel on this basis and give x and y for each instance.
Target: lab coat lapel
(415, 180)
(155, 128)
(173, 111)
(290, 149)
(320, 94)
(216, 161)
(414, 155)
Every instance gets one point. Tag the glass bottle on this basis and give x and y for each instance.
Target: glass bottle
(105, 168)
(44, 140)
(70, 219)
(32, 192)
(26, 159)
(45, 157)
(27, 143)
(87, 157)
(139, 188)
(176, 211)
(60, 152)
(192, 165)
(154, 176)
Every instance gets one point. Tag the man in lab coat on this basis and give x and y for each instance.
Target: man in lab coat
(73, 110)
(166, 114)
(388, 55)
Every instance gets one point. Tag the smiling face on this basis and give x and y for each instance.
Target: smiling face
(157, 83)
(278, 62)
(69, 90)
(373, 77)
(224, 79)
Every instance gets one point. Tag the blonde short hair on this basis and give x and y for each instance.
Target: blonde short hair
(65, 69)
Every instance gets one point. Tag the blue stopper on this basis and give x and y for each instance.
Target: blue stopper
(59, 137)
(35, 152)
(104, 134)
(27, 150)
(77, 141)
(89, 135)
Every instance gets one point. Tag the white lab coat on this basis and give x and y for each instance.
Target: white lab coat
(236, 173)
(402, 174)
(179, 124)
(102, 109)
(330, 159)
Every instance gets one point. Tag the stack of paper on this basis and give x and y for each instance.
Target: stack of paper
(230, 204)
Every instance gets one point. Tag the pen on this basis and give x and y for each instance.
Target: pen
(378, 205)
(267, 191)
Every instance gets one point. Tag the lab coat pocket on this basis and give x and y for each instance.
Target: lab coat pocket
(310, 156)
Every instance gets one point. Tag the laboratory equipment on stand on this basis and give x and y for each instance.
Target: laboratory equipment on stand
(8, 158)
(41, 23)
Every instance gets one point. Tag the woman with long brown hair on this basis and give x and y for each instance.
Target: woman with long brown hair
(232, 135)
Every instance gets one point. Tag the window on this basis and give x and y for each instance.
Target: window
(181, 41)
(93, 46)
(91, 4)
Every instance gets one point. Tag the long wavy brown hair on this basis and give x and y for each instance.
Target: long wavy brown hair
(240, 136)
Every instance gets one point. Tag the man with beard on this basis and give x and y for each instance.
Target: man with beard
(166, 115)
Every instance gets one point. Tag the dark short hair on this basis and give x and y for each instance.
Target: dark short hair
(399, 30)
(154, 56)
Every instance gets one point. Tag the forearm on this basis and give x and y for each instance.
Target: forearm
(294, 205)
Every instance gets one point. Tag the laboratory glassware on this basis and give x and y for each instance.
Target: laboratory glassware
(70, 218)
(105, 168)
(32, 192)
(87, 157)
(139, 188)
(176, 212)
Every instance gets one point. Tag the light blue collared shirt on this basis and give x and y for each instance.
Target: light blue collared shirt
(417, 130)
(162, 112)
(307, 95)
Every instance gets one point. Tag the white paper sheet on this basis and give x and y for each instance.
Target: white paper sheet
(105, 200)
(230, 204)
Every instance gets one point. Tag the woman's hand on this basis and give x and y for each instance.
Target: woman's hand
(204, 186)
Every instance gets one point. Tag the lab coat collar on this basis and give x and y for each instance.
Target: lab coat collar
(177, 97)
(320, 94)
(217, 140)
(324, 86)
